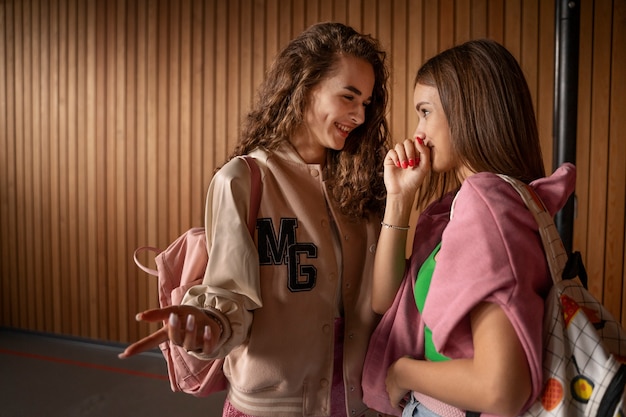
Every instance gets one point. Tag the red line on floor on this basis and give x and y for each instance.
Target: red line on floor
(83, 364)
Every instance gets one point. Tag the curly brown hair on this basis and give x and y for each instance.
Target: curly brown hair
(354, 174)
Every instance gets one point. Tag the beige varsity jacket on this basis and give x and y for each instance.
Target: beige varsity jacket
(278, 303)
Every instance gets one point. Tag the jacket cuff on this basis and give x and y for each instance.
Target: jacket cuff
(226, 333)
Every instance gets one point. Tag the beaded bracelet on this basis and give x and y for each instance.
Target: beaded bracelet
(391, 226)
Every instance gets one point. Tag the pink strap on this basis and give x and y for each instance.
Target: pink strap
(255, 191)
(141, 266)
(438, 407)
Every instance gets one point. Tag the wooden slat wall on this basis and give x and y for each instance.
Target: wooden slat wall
(114, 114)
(599, 229)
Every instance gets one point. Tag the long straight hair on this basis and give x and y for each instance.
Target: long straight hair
(487, 102)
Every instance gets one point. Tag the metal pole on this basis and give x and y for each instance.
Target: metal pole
(567, 34)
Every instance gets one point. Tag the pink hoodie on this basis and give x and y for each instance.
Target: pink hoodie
(491, 251)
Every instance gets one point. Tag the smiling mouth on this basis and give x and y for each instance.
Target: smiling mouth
(344, 129)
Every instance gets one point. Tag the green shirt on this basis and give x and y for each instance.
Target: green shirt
(422, 285)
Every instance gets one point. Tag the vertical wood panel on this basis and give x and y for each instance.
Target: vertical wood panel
(196, 172)
(545, 81)
(4, 184)
(397, 46)
(37, 251)
(93, 244)
(297, 19)
(259, 45)
(101, 172)
(9, 191)
(44, 111)
(355, 13)
(72, 160)
(290, 19)
(513, 26)
(326, 11)
(173, 111)
(415, 52)
(479, 18)
(154, 180)
(114, 114)
(311, 13)
(209, 92)
(447, 16)
(114, 163)
(430, 23)
(219, 140)
(27, 154)
(462, 25)
(233, 85)
(495, 21)
(599, 149)
(19, 164)
(529, 46)
(138, 192)
(82, 163)
(185, 135)
(247, 60)
(40, 138)
(128, 291)
(369, 17)
(124, 66)
(340, 10)
(616, 187)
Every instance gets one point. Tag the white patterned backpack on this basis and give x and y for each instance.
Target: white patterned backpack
(584, 346)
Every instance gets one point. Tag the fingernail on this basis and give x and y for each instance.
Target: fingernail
(404, 164)
(191, 322)
(173, 320)
(207, 333)
(411, 162)
(138, 317)
(398, 164)
(419, 140)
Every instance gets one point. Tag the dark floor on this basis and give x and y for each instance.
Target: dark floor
(48, 376)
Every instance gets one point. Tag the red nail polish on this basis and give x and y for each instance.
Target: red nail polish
(404, 164)
(411, 162)
(419, 140)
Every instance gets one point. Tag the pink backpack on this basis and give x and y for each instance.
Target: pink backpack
(179, 267)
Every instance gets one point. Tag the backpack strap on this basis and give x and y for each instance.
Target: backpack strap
(552, 243)
(144, 268)
(255, 191)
